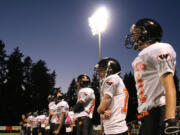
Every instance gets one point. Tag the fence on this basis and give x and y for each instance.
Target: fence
(10, 128)
(96, 130)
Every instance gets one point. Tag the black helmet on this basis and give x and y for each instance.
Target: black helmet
(109, 65)
(58, 95)
(50, 98)
(35, 113)
(144, 31)
(83, 80)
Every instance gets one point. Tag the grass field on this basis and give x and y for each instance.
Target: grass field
(9, 133)
(13, 133)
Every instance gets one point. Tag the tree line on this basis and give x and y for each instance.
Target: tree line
(25, 85)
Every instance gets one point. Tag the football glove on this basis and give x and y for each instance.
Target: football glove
(171, 127)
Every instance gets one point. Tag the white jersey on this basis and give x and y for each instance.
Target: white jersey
(52, 107)
(151, 63)
(71, 114)
(35, 122)
(29, 120)
(114, 87)
(47, 125)
(61, 107)
(87, 96)
(42, 120)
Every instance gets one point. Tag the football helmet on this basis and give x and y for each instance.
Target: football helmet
(50, 98)
(83, 81)
(29, 114)
(144, 31)
(35, 113)
(58, 95)
(107, 66)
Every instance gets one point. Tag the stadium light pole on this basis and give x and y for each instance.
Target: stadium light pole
(98, 23)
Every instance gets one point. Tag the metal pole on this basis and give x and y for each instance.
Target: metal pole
(99, 40)
(100, 57)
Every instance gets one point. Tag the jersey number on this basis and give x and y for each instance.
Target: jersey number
(142, 98)
(124, 109)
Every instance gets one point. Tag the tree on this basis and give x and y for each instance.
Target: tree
(27, 85)
(15, 74)
(71, 95)
(42, 84)
(24, 85)
(132, 103)
(3, 66)
(95, 87)
(14, 83)
(52, 80)
(3, 80)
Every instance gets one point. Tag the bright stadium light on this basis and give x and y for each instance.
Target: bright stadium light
(98, 23)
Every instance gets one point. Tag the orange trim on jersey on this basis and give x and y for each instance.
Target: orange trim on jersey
(140, 66)
(142, 98)
(91, 109)
(124, 109)
(141, 115)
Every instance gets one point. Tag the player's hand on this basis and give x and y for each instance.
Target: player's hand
(107, 114)
(50, 112)
(102, 133)
(171, 127)
(81, 101)
(56, 132)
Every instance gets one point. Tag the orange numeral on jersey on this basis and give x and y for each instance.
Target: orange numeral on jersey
(142, 98)
(124, 109)
(91, 109)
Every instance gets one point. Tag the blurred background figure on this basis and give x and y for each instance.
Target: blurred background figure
(84, 107)
(23, 125)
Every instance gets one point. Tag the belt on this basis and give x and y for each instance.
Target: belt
(79, 120)
(141, 115)
(82, 117)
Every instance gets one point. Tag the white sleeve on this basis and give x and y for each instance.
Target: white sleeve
(64, 107)
(110, 86)
(86, 95)
(90, 95)
(164, 60)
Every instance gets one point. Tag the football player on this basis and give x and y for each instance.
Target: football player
(52, 114)
(85, 106)
(113, 106)
(154, 68)
(29, 123)
(47, 124)
(62, 108)
(22, 123)
(42, 121)
(35, 123)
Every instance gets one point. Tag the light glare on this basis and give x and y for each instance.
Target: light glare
(98, 22)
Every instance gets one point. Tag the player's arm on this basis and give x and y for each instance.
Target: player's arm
(170, 124)
(105, 115)
(50, 115)
(167, 81)
(62, 116)
(85, 97)
(105, 103)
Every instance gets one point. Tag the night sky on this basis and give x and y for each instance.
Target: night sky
(57, 31)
